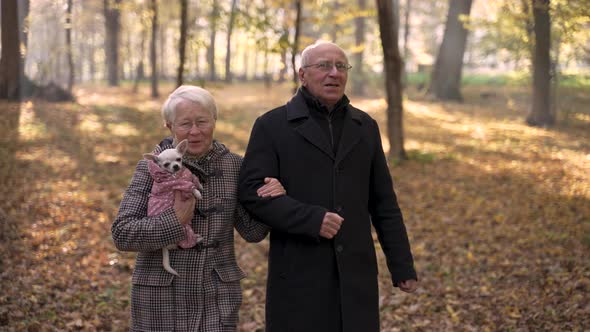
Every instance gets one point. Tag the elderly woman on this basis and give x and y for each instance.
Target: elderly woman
(206, 295)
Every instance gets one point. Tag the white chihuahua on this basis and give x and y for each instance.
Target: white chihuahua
(169, 176)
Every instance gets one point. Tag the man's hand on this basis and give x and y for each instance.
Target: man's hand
(184, 208)
(330, 225)
(408, 286)
(271, 188)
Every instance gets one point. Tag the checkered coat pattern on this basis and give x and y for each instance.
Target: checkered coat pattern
(207, 295)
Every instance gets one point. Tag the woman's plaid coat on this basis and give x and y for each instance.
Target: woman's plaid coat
(207, 294)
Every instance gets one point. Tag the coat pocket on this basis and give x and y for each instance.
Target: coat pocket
(229, 293)
(152, 300)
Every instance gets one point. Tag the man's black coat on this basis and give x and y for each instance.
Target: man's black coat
(315, 284)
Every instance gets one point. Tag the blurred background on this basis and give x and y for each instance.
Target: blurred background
(484, 114)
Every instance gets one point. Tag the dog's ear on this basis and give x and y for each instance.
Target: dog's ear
(151, 156)
(182, 146)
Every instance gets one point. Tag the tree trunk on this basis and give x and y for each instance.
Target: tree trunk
(295, 50)
(112, 16)
(69, 46)
(140, 72)
(24, 23)
(446, 77)
(336, 28)
(11, 67)
(211, 50)
(230, 27)
(406, 37)
(389, 27)
(540, 114)
(359, 81)
(182, 42)
(284, 45)
(153, 57)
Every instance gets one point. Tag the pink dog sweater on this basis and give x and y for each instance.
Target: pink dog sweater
(162, 195)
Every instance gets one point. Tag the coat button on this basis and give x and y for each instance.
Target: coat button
(339, 248)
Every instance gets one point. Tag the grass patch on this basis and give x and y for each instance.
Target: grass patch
(421, 156)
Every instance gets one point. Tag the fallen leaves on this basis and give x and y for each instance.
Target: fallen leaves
(498, 213)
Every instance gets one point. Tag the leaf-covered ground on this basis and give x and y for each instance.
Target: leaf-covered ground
(498, 213)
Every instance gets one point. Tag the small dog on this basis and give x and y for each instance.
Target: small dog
(169, 176)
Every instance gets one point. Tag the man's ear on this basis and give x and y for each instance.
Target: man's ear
(301, 76)
(182, 146)
(151, 156)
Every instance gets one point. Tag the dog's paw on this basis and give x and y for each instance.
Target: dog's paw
(197, 194)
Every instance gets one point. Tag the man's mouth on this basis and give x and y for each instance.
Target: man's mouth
(332, 85)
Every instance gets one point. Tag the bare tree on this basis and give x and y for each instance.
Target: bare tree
(446, 76)
(112, 16)
(182, 41)
(389, 26)
(406, 37)
(139, 71)
(540, 114)
(153, 57)
(298, 8)
(11, 67)
(359, 80)
(230, 28)
(24, 22)
(69, 46)
(211, 50)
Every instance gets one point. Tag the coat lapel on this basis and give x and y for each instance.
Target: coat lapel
(350, 134)
(309, 129)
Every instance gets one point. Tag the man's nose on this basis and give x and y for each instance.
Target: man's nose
(333, 70)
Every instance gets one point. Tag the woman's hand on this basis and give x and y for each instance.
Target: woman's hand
(184, 207)
(271, 188)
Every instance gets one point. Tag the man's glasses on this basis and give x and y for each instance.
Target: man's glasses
(327, 66)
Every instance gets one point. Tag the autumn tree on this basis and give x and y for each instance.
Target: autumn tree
(153, 56)
(213, 18)
(69, 46)
(540, 113)
(182, 41)
(112, 14)
(388, 12)
(445, 82)
(295, 48)
(406, 55)
(140, 70)
(358, 79)
(230, 29)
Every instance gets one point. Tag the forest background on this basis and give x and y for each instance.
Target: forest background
(483, 108)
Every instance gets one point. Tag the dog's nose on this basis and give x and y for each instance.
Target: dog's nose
(176, 167)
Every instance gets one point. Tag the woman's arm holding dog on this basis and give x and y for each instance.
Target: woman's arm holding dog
(132, 229)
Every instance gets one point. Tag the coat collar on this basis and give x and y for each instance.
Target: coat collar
(297, 109)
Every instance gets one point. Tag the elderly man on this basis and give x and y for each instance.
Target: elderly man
(328, 155)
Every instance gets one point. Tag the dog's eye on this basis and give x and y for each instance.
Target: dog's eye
(178, 159)
(166, 164)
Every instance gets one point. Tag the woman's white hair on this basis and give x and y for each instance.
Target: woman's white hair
(191, 93)
(306, 54)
